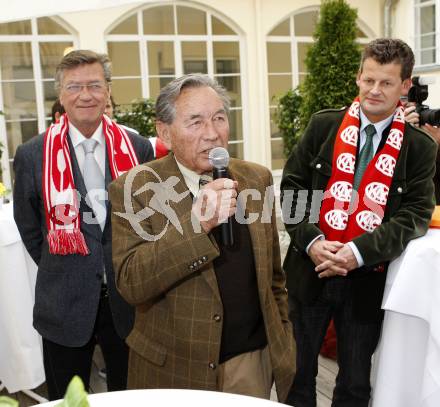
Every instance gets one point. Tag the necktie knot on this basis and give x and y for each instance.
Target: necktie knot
(370, 131)
(89, 145)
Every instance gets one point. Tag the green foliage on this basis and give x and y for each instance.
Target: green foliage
(332, 64)
(75, 396)
(8, 402)
(140, 116)
(287, 118)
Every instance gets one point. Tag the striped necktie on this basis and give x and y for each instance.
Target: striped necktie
(365, 156)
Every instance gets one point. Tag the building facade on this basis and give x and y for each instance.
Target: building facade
(255, 48)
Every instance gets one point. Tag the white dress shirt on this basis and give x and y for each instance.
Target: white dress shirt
(190, 177)
(77, 138)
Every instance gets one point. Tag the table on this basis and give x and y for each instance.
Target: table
(172, 397)
(21, 358)
(406, 369)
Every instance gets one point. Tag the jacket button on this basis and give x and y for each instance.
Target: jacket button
(191, 267)
(212, 366)
(200, 261)
(318, 166)
(399, 190)
(204, 258)
(217, 318)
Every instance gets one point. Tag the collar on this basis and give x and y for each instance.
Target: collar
(77, 137)
(191, 178)
(379, 126)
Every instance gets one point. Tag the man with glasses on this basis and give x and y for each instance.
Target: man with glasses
(62, 213)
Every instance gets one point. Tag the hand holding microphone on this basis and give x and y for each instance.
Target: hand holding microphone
(219, 197)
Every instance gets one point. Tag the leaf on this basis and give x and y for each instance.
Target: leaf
(76, 396)
(8, 402)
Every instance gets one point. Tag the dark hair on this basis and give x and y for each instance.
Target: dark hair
(165, 103)
(57, 107)
(390, 50)
(82, 57)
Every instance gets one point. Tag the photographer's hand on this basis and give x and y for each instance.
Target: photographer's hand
(411, 116)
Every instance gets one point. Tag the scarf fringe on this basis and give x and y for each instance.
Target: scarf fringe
(66, 242)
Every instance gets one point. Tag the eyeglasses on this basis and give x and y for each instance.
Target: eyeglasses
(94, 87)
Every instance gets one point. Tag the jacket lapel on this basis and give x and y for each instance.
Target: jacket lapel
(171, 169)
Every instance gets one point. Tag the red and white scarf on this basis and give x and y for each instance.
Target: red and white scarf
(61, 199)
(340, 218)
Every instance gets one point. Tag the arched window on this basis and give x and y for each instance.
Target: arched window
(29, 53)
(287, 46)
(156, 44)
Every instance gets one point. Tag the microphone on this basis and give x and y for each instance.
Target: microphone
(219, 158)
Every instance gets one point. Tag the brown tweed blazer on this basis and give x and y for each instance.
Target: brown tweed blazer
(175, 342)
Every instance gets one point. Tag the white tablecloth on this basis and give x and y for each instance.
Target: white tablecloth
(21, 360)
(407, 363)
(178, 398)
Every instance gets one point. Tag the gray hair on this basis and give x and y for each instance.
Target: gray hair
(81, 57)
(165, 103)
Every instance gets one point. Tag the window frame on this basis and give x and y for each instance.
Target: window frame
(177, 39)
(34, 39)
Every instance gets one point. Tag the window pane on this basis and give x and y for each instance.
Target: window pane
(17, 28)
(126, 90)
(274, 130)
(128, 26)
(160, 58)
(282, 28)
(235, 125)
(278, 159)
(19, 100)
(16, 60)
(428, 57)
(51, 54)
(156, 84)
(159, 20)
(278, 85)
(427, 19)
(226, 57)
(305, 23)
(191, 21)
(125, 58)
(428, 41)
(220, 28)
(278, 57)
(233, 85)
(302, 53)
(50, 96)
(236, 150)
(48, 26)
(194, 57)
(20, 132)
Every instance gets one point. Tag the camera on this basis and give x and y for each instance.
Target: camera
(418, 93)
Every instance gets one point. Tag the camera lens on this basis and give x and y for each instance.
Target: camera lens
(430, 116)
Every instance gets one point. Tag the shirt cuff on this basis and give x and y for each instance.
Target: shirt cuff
(320, 237)
(357, 254)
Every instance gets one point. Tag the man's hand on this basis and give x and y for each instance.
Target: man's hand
(216, 203)
(411, 116)
(331, 267)
(324, 250)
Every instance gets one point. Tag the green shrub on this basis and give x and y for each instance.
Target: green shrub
(332, 63)
(139, 115)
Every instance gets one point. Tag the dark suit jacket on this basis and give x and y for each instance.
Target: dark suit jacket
(68, 287)
(407, 215)
(172, 282)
